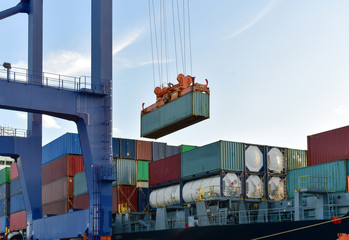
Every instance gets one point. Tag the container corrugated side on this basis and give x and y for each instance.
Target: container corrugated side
(159, 150)
(68, 143)
(5, 175)
(185, 148)
(58, 190)
(80, 184)
(116, 143)
(4, 191)
(143, 199)
(142, 170)
(128, 148)
(18, 221)
(66, 166)
(14, 171)
(165, 170)
(221, 155)
(178, 114)
(4, 223)
(15, 187)
(17, 204)
(57, 208)
(334, 172)
(172, 150)
(4, 207)
(124, 194)
(126, 172)
(296, 158)
(144, 150)
(328, 146)
(81, 202)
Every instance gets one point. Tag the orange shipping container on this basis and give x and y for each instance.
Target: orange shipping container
(144, 150)
(18, 221)
(66, 166)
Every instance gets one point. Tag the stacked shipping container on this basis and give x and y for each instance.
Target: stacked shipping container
(17, 209)
(4, 198)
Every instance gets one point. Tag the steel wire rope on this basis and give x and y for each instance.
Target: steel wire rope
(166, 42)
(180, 36)
(174, 37)
(184, 33)
(189, 35)
(156, 40)
(151, 43)
(161, 46)
(300, 228)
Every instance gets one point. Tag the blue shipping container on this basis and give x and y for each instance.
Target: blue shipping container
(116, 143)
(172, 150)
(15, 187)
(4, 207)
(17, 204)
(4, 223)
(143, 199)
(128, 148)
(66, 144)
(4, 191)
(159, 150)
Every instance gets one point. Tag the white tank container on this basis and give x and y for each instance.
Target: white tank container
(165, 196)
(231, 186)
(275, 160)
(254, 187)
(276, 189)
(253, 159)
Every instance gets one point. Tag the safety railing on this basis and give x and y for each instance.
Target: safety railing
(310, 183)
(54, 80)
(13, 132)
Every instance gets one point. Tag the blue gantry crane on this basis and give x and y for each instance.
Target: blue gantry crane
(89, 107)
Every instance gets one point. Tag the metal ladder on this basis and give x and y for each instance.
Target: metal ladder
(95, 209)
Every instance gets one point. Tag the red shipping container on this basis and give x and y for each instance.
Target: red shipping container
(328, 146)
(58, 190)
(81, 202)
(125, 194)
(68, 165)
(18, 221)
(144, 150)
(14, 171)
(165, 170)
(57, 208)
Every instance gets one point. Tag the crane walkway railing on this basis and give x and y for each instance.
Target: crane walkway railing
(53, 80)
(13, 132)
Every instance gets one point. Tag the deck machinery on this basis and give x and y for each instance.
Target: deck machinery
(90, 108)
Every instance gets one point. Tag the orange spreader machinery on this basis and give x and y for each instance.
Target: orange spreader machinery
(186, 84)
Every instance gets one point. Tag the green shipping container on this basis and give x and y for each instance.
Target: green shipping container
(335, 174)
(80, 184)
(213, 157)
(191, 108)
(187, 148)
(5, 175)
(296, 159)
(142, 170)
(126, 172)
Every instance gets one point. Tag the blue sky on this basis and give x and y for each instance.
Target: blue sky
(277, 70)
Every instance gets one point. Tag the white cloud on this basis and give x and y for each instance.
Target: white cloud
(127, 40)
(341, 110)
(50, 122)
(255, 20)
(22, 115)
(116, 131)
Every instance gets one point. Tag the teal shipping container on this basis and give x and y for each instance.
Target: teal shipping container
(296, 159)
(221, 155)
(80, 184)
(126, 171)
(334, 174)
(5, 174)
(142, 170)
(189, 109)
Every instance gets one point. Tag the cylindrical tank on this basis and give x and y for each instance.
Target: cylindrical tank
(276, 189)
(254, 187)
(276, 163)
(166, 196)
(253, 159)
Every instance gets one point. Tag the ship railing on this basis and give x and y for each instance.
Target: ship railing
(59, 81)
(13, 132)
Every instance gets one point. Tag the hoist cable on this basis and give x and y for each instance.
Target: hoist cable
(189, 30)
(156, 39)
(174, 37)
(180, 36)
(151, 43)
(161, 45)
(166, 42)
(184, 33)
